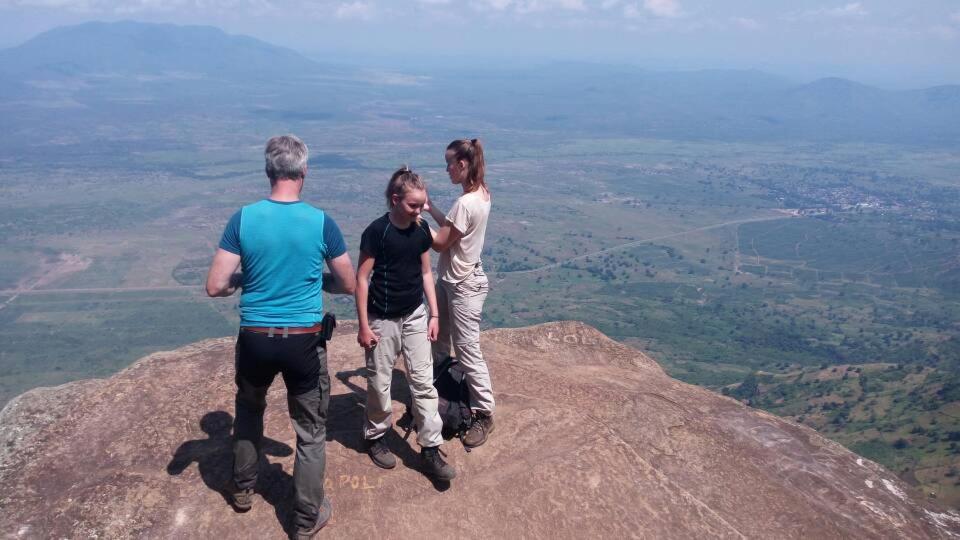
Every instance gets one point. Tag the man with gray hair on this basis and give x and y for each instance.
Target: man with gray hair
(280, 244)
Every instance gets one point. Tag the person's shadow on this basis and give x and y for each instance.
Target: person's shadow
(346, 414)
(214, 458)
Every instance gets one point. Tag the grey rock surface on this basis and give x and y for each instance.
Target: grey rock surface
(592, 440)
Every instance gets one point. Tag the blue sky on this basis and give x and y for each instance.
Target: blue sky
(892, 43)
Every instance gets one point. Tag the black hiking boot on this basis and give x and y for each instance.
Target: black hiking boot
(380, 454)
(479, 429)
(241, 499)
(323, 516)
(434, 466)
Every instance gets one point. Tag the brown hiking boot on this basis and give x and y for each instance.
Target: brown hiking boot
(323, 516)
(434, 466)
(380, 453)
(241, 499)
(479, 429)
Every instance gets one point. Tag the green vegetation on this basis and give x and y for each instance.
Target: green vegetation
(50, 339)
(902, 416)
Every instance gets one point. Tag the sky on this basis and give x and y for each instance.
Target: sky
(889, 43)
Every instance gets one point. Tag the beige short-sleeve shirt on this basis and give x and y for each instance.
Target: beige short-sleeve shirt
(468, 216)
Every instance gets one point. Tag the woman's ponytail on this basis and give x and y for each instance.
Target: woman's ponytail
(471, 151)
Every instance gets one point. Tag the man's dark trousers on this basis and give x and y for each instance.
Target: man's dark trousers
(302, 361)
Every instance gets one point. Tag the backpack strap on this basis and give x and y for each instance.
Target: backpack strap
(442, 367)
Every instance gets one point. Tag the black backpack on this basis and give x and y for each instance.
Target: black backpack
(454, 402)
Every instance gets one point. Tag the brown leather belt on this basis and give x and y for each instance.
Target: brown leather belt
(283, 331)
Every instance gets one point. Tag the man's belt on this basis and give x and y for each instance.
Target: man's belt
(283, 331)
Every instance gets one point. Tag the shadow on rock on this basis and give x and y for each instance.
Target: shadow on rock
(346, 412)
(214, 458)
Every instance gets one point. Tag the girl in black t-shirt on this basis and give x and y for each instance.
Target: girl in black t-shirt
(393, 276)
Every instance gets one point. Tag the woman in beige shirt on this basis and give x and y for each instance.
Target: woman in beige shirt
(462, 286)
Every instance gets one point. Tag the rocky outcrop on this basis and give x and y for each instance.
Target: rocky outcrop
(592, 440)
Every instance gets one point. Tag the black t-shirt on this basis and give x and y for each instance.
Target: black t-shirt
(396, 286)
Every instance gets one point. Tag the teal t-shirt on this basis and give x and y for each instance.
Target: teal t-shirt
(282, 248)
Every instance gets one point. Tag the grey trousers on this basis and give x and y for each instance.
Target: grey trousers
(406, 335)
(302, 361)
(460, 306)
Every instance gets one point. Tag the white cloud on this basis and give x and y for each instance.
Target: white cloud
(853, 9)
(663, 8)
(434, 2)
(955, 17)
(498, 5)
(524, 7)
(846, 11)
(631, 11)
(746, 23)
(531, 6)
(572, 5)
(609, 4)
(355, 10)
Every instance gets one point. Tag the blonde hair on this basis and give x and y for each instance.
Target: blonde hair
(402, 181)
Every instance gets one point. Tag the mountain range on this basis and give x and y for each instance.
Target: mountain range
(98, 65)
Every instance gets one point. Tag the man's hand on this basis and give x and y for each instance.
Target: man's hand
(433, 328)
(367, 338)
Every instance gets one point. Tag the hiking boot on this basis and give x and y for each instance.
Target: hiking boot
(323, 516)
(434, 466)
(241, 499)
(380, 454)
(481, 426)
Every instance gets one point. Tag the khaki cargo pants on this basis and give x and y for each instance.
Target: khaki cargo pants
(406, 335)
(460, 306)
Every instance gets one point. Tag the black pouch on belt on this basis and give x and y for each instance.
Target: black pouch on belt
(327, 324)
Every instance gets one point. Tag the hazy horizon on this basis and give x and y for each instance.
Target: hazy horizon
(878, 42)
